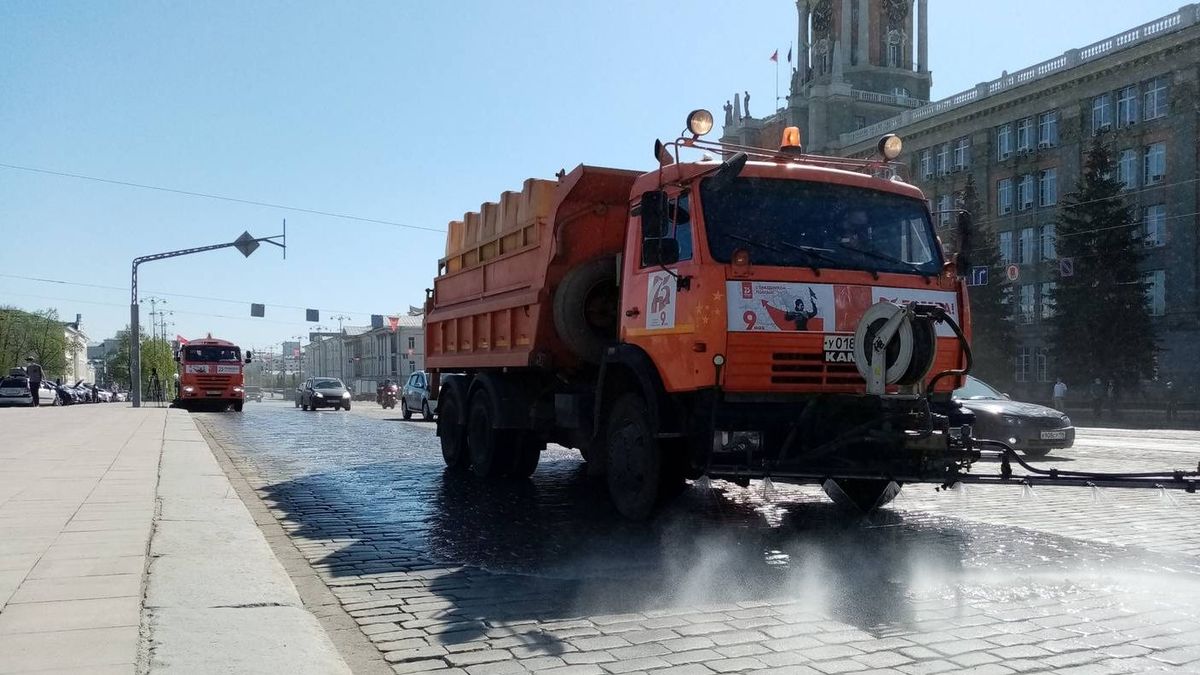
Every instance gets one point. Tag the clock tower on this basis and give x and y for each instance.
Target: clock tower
(858, 62)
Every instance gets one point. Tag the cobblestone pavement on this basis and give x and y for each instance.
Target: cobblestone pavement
(448, 574)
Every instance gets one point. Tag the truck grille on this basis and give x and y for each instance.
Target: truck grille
(213, 381)
(797, 368)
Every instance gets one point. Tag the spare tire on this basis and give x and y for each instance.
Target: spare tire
(586, 305)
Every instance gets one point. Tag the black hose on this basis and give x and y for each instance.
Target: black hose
(1008, 451)
(941, 315)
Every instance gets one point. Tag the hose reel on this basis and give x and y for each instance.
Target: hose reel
(893, 345)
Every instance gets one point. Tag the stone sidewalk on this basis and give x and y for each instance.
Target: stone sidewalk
(123, 548)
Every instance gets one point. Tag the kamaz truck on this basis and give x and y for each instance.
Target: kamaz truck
(741, 314)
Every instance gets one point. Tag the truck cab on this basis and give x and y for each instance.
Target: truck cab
(211, 375)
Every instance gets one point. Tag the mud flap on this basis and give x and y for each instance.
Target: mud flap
(859, 494)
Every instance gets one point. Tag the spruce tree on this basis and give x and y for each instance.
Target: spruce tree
(991, 304)
(1101, 326)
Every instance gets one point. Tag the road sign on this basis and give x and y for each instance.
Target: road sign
(1013, 272)
(246, 244)
(979, 276)
(1066, 267)
(257, 309)
(312, 315)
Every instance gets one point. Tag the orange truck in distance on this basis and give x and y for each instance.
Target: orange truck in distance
(210, 375)
(766, 314)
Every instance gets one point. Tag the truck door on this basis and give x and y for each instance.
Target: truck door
(660, 297)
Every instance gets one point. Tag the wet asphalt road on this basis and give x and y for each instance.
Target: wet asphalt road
(991, 578)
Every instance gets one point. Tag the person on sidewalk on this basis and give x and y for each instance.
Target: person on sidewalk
(1060, 395)
(34, 372)
(1172, 401)
(155, 386)
(1097, 395)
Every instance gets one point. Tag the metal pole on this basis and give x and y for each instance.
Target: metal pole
(135, 353)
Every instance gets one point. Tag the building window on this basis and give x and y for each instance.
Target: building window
(943, 159)
(1154, 224)
(962, 153)
(1047, 298)
(926, 162)
(412, 342)
(1156, 98)
(1049, 242)
(1025, 306)
(1156, 163)
(1026, 246)
(1043, 364)
(1101, 113)
(1003, 141)
(1048, 129)
(893, 54)
(412, 366)
(944, 205)
(1006, 247)
(1156, 292)
(1127, 106)
(1004, 196)
(1022, 361)
(1127, 168)
(1025, 134)
(1048, 187)
(1025, 192)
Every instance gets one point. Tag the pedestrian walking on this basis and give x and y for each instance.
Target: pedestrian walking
(34, 372)
(1112, 398)
(1060, 395)
(155, 386)
(1097, 395)
(1172, 401)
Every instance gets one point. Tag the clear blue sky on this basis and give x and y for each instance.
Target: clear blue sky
(411, 112)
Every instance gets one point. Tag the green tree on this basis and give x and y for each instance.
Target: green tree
(991, 304)
(37, 334)
(156, 354)
(1101, 327)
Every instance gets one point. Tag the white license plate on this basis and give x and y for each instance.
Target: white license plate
(839, 348)
(213, 392)
(1054, 435)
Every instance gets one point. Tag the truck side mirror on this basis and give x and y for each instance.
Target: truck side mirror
(249, 356)
(660, 251)
(654, 214)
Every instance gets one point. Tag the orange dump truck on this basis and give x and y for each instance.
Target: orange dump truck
(766, 314)
(210, 375)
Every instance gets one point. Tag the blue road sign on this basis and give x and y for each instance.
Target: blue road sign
(979, 276)
(1066, 267)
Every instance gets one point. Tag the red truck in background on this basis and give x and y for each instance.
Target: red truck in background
(754, 313)
(210, 375)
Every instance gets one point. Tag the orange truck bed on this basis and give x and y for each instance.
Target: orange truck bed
(491, 304)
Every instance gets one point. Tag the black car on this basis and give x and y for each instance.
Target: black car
(324, 392)
(1033, 429)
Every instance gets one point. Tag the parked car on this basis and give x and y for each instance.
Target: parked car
(414, 397)
(48, 394)
(253, 394)
(1033, 429)
(324, 392)
(14, 390)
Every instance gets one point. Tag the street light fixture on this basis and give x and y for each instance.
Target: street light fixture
(246, 244)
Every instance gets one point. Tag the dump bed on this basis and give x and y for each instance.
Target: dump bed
(492, 299)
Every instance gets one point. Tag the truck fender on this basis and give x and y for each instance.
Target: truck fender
(509, 398)
(626, 366)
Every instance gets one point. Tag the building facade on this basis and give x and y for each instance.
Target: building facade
(1023, 138)
(364, 357)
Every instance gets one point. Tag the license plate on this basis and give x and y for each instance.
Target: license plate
(213, 392)
(839, 348)
(1054, 435)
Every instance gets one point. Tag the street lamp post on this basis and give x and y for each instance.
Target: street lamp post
(246, 244)
(341, 346)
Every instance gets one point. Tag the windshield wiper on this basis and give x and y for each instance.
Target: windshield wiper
(884, 256)
(811, 251)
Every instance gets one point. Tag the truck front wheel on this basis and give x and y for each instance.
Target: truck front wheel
(634, 459)
(237, 406)
(488, 453)
(452, 434)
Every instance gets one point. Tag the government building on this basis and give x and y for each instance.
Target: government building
(862, 71)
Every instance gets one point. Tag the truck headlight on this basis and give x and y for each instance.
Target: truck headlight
(238, 389)
(188, 390)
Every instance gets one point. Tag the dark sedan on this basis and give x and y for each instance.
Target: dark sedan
(1033, 429)
(324, 392)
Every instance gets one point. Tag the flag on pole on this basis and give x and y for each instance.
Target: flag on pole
(775, 56)
(394, 322)
(180, 339)
(789, 56)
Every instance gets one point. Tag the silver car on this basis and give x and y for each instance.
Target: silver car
(414, 397)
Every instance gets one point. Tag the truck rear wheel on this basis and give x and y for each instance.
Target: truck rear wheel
(451, 433)
(586, 304)
(485, 443)
(634, 459)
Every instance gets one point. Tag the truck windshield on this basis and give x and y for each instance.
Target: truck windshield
(805, 224)
(211, 354)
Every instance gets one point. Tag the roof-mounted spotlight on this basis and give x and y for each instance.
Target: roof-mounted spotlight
(699, 122)
(890, 146)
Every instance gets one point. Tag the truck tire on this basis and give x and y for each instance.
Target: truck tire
(586, 304)
(485, 443)
(526, 453)
(634, 459)
(453, 435)
(237, 407)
